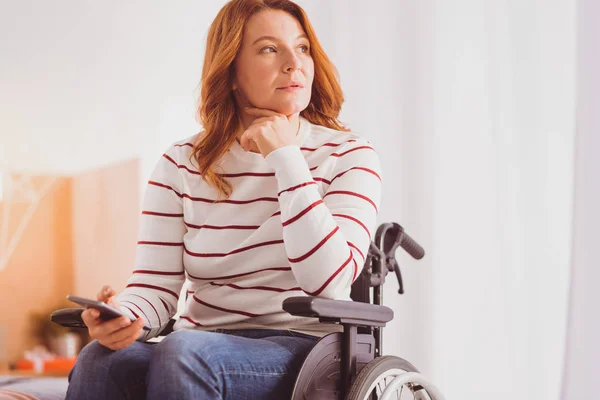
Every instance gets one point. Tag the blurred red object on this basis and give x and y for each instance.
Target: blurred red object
(58, 364)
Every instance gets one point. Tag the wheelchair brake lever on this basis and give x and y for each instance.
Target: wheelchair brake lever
(399, 276)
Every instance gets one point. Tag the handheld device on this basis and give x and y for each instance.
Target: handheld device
(106, 312)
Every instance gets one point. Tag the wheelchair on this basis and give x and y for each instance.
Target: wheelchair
(347, 365)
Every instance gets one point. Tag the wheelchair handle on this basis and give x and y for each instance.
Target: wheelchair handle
(413, 248)
(384, 256)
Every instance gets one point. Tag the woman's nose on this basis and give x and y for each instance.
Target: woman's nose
(292, 64)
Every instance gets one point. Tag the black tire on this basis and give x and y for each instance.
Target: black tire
(360, 387)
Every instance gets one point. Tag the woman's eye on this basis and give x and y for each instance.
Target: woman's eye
(271, 49)
(265, 49)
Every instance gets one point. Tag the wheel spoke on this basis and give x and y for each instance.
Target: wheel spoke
(381, 376)
(378, 389)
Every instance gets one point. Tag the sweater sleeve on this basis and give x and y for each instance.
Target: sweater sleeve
(153, 289)
(327, 237)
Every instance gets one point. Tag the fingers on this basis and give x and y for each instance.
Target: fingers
(269, 130)
(124, 334)
(124, 337)
(292, 116)
(245, 139)
(263, 112)
(105, 293)
(120, 345)
(104, 329)
(90, 317)
(99, 328)
(263, 119)
(255, 129)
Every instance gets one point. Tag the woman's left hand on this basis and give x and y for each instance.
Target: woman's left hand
(270, 130)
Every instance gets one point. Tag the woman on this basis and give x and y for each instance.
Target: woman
(275, 198)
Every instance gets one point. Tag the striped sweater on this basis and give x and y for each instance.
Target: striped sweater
(298, 223)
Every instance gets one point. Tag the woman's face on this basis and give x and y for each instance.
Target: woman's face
(274, 68)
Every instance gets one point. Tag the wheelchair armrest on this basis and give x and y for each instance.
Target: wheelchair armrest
(68, 317)
(342, 311)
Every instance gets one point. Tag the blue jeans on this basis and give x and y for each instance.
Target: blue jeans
(191, 364)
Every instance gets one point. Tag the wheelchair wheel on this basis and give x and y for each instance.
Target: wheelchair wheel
(372, 381)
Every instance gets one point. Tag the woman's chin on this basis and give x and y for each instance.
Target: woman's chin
(289, 109)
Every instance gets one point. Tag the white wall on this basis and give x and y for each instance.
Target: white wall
(72, 95)
(86, 84)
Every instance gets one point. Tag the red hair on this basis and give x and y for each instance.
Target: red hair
(217, 110)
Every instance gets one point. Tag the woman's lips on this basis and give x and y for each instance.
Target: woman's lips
(291, 88)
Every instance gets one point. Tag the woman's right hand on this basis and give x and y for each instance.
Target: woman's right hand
(114, 334)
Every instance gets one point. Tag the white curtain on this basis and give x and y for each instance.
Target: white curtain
(471, 106)
(582, 360)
